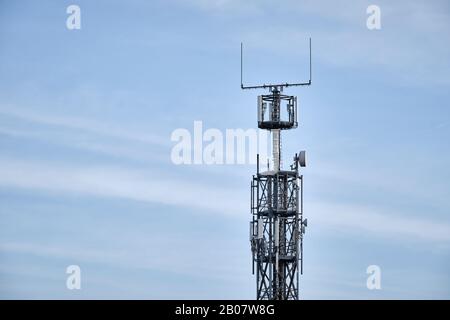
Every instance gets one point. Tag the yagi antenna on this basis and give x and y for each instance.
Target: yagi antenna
(280, 85)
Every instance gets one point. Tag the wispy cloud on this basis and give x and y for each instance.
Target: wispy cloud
(84, 134)
(379, 223)
(103, 181)
(87, 125)
(121, 183)
(176, 259)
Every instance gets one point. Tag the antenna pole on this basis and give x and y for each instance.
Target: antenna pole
(242, 85)
(279, 86)
(310, 64)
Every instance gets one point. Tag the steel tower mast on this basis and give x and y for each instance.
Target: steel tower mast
(277, 226)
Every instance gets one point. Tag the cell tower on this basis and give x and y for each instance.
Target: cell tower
(277, 226)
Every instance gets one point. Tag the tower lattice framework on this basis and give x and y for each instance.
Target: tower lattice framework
(277, 227)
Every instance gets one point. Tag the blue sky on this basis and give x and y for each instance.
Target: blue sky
(86, 118)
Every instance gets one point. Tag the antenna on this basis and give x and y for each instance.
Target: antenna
(277, 199)
(280, 85)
